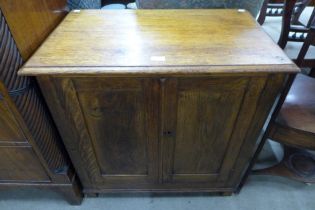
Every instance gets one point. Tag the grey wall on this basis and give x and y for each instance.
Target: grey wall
(252, 6)
(84, 4)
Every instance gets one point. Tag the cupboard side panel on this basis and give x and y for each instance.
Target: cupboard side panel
(267, 98)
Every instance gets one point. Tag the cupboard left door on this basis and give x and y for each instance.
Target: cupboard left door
(113, 136)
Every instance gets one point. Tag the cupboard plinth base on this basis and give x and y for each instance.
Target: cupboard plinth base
(71, 191)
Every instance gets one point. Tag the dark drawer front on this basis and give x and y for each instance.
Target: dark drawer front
(9, 130)
(20, 164)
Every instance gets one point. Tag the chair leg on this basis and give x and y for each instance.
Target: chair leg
(72, 192)
(92, 195)
(286, 22)
(296, 164)
(312, 72)
(306, 45)
(263, 11)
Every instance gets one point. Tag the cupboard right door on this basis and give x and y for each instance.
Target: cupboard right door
(204, 124)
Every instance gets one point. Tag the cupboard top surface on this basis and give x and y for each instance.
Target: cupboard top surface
(158, 41)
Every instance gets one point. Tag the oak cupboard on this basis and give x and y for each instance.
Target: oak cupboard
(160, 100)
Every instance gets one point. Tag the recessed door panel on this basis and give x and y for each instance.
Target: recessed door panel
(205, 122)
(118, 123)
(9, 130)
(200, 116)
(21, 164)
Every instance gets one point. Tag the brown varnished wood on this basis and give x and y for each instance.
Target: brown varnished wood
(69, 131)
(19, 163)
(265, 134)
(208, 177)
(32, 154)
(27, 108)
(16, 170)
(71, 191)
(245, 119)
(159, 71)
(9, 130)
(132, 124)
(298, 109)
(293, 137)
(122, 145)
(70, 104)
(204, 106)
(129, 106)
(31, 21)
(191, 40)
(293, 126)
(267, 98)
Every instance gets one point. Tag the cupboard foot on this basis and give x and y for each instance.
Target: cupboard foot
(226, 193)
(92, 195)
(72, 193)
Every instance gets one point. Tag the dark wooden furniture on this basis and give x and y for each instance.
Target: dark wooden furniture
(292, 125)
(302, 61)
(276, 9)
(31, 21)
(160, 106)
(291, 29)
(31, 151)
(294, 122)
(295, 128)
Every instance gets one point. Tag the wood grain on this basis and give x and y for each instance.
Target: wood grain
(115, 142)
(132, 124)
(297, 111)
(29, 103)
(272, 87)
(9, 130)
(188, 40)
(31, 151)
(204, 125)
(294, 125)
(19, 163)
(31, 21)
(204, 106)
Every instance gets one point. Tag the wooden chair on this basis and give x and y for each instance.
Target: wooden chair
(306, 62)
(291, 29)
(276, 10)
